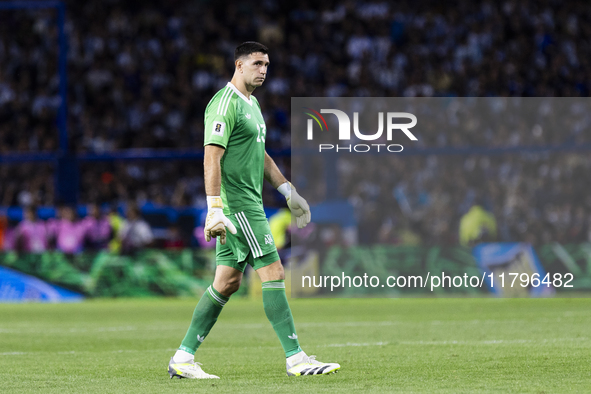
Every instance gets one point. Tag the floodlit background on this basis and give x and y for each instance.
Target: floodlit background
(101, 112)
(101, 193)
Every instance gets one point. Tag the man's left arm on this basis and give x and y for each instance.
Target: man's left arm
(272, 173)
(296, 203)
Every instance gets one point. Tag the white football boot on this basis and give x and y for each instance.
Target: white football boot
(188, 370)
(301, 365)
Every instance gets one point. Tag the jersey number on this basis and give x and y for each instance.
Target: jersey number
(262, 132)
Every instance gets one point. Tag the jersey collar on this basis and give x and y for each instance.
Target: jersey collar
(243, 97)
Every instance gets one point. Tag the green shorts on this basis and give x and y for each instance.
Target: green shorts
(253, 243)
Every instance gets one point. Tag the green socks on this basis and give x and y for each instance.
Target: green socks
(204, 317)
(279, 314)
(276, 308)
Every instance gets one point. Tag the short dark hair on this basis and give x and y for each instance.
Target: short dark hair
(248, 47)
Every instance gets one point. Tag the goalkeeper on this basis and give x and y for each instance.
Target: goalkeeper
(235, 166)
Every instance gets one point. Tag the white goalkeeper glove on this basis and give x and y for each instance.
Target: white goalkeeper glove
(216, 222)
(296, 203)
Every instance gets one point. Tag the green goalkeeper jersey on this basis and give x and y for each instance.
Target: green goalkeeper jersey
(236, 123)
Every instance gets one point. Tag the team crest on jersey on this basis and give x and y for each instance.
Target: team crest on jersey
(268, 239)
(247, 116)
(218, 128)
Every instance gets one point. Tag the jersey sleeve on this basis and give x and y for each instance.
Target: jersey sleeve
(220, 119)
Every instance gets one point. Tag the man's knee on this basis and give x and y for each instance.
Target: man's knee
(272, 272)
(228, 286)
(227, 280)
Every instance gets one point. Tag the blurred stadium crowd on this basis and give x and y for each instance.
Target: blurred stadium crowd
(94, 228)
(71, 235)
(537, 198)
(534, 194)
(141, 74)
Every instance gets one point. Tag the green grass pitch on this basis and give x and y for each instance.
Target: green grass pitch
(383, 345)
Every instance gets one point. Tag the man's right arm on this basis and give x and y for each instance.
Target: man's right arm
(212, 169)
(219, 123)
(216, 222)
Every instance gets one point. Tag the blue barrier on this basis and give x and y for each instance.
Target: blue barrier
(338, 212)
(501, 263)
(171, 214)
(16, 287)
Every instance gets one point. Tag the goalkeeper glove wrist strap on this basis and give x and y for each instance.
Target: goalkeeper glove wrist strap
(285, 189)
(214, 202)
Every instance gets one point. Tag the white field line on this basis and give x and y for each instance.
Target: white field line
(353, 344)
(83, 352)
(217, 348)
(495, 341)
(72, 330)
(21, 329)
(330, 345)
